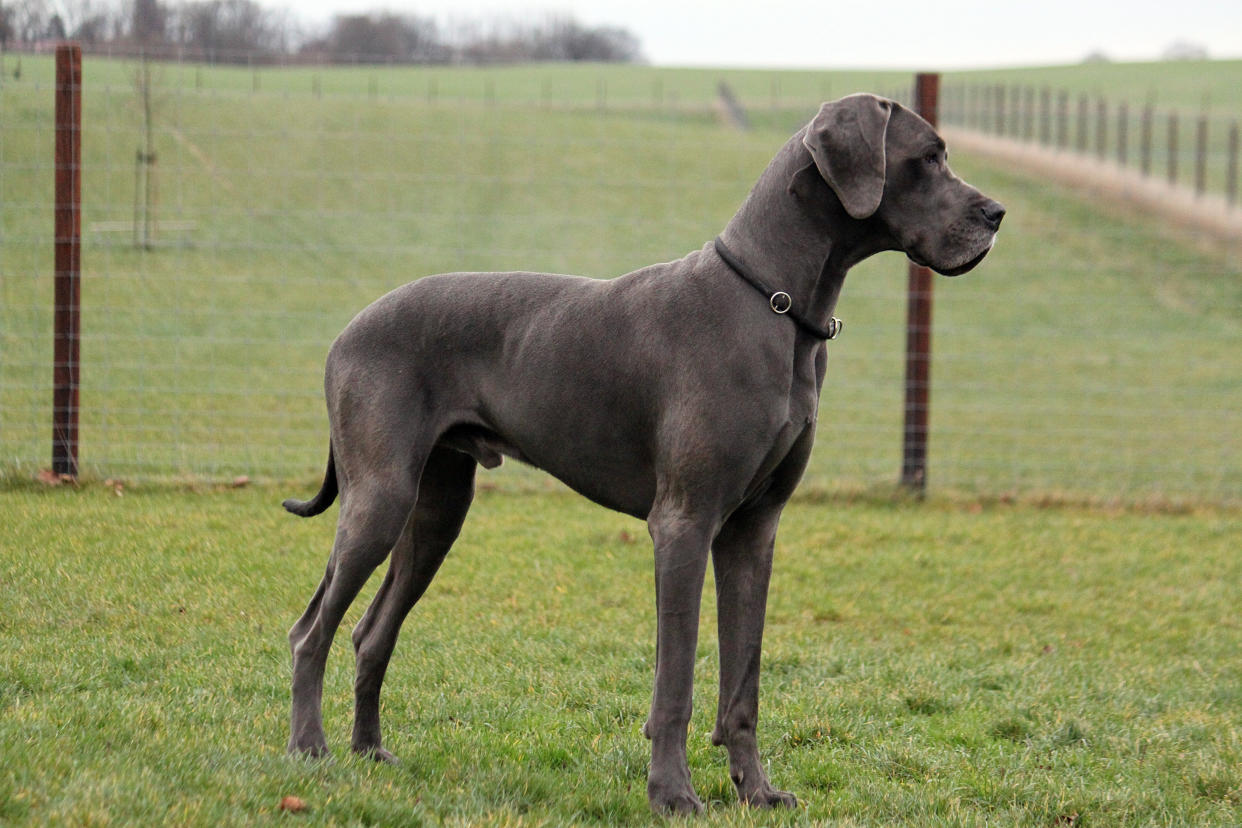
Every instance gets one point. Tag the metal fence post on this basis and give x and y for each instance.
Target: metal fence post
(1045, 117)
(1145, 140)
(1062, 119)
(918, 331)
(1101, 129)
(1172, 166)
(1123, 133)
(1082, 124)
(67, 258)
(1028, 113)
(1231, 167)
(1201, 142)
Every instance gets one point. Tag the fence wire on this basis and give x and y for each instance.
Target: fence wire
(1197, 150)
(234, 220)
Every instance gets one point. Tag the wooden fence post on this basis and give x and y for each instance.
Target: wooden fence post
(918, 331)
(67, 260)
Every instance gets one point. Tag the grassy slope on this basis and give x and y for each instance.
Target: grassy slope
(572, 84)
(1191, 90)
(923, 665)
(1091, 355)
(1191, 86)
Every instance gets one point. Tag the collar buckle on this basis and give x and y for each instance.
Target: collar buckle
(779, 301)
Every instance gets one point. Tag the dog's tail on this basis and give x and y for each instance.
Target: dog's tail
(321, 501)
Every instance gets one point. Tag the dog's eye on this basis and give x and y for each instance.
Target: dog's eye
(932, 158)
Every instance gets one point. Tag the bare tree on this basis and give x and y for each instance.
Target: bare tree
(148, 21)
(554, 38)
(244, 30)
(230, 30)
(27, 20)
(91, 29)
(371, 38)
(603, 43)
(83, 20)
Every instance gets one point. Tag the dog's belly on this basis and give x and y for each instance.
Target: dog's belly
(597, 474)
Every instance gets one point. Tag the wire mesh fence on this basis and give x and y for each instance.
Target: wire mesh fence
(235, 218)
(1196, 150)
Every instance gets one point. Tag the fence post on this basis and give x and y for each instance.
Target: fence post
(1201, 134)
(1101, 129)
(67, 232)
(1062, 119)
(1045, 117)
(1082, 124)
(918, 332)
(1123, 133)
(1231, 169)
(1172, 168)
(1145, 140)
(1028, 114)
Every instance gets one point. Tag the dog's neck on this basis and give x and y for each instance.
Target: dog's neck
(781, 232)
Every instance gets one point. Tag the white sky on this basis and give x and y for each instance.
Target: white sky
(895, 34)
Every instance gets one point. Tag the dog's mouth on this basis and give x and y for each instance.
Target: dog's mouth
(956, 270)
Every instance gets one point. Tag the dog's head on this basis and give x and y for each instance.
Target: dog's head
(887, 164)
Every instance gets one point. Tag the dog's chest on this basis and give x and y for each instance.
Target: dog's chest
(805, 382)
(788, 439)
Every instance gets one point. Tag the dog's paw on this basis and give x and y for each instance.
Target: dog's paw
(377, 754)
(310, 750)
(673, 801)
(769, 797)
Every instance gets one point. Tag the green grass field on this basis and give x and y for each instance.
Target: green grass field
(968, 660)
(1189, 85)
(1093, 356)
(936, 664)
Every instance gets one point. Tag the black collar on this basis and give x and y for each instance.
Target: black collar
(778, 300)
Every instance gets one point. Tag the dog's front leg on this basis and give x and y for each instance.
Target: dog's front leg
(681, 548)
(742, 560)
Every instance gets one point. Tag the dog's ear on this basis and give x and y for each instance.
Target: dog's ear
(846, 139)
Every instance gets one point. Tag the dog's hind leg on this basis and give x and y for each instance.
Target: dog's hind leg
(373, 514)
(444, 496)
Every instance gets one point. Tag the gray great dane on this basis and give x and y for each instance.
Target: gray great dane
(684, 394)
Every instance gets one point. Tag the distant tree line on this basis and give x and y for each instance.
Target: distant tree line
(241, 31)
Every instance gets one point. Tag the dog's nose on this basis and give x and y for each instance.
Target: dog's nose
(993, 212)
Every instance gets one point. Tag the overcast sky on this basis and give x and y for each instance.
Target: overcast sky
(863, 33)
